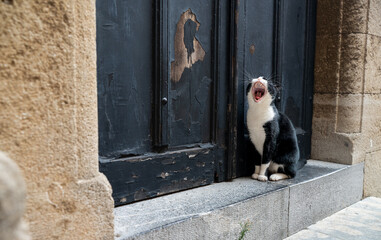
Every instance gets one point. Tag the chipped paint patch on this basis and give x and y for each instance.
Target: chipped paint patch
(164, 175)
(252, 49)
(188, 49)
(200, 164)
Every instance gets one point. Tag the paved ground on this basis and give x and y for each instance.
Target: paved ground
(360, 221)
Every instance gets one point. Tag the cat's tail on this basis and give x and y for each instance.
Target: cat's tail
(301, 163)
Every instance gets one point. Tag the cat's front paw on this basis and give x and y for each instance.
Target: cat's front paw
(278, 176)
(262, 178)
(255, 176)
(275, 177)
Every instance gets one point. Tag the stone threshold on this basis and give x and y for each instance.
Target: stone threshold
(272, 210)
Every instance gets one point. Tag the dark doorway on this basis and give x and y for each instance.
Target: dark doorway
(171, 79)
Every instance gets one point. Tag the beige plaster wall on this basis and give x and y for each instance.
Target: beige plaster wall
(347, 100)
(48, 116)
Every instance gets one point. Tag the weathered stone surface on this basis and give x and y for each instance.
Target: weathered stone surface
(374, 22)
(314, 200)
(12, 201)
(361, 221)
(372, 123)
(308, 234)
(369, 140)
(345, 124)
(349, 113)
(354, 14)
(324, 113)
(143, 216)
(48, 116)
(328, 17)
(334, 17)
(326, 143)
(372, 171)
(266, 215)
(335, 147)
(327, 64)
(372, 66)
(352, 63)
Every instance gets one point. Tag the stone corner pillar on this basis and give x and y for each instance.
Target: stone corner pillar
(48, 116)
(347, 91)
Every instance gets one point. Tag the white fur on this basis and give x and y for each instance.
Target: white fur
(257, 115)
(274, 167)
(262, 178)
(263, 169)
(278, 176)
(256, 172)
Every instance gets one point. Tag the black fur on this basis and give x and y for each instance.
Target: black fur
(281, 145)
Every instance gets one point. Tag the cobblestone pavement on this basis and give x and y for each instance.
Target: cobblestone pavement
(360, 221)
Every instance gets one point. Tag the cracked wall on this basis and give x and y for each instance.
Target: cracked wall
(48, 116)
(347, 90)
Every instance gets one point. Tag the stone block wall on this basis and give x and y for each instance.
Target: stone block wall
(48, 116)
(347, 98)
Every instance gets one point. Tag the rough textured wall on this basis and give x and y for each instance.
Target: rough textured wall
(48, 116)
(347, 99)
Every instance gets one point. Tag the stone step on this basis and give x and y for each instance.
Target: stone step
(272, 210)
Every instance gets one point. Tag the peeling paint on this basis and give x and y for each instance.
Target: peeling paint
(163, 175)
(169, 161)
(188, 49)
(141, 194)
(200, 164)
(252, 49)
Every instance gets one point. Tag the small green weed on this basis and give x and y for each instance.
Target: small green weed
(245, 227)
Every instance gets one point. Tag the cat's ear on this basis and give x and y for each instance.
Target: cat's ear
(248, 88)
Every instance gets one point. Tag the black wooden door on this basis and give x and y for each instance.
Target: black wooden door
(171, 80)
(162, 98)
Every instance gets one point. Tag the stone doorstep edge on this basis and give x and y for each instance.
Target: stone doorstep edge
(196, 215)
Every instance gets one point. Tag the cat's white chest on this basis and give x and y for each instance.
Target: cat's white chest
(257, 117)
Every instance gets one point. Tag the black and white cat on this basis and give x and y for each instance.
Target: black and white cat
(276, 147)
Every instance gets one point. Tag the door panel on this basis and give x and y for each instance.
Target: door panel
(190, 85)
(124, 77)
(161, 119)
(137, 178)
(296, 29)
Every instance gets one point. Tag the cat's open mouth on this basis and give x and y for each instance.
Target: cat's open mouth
(259, 90)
